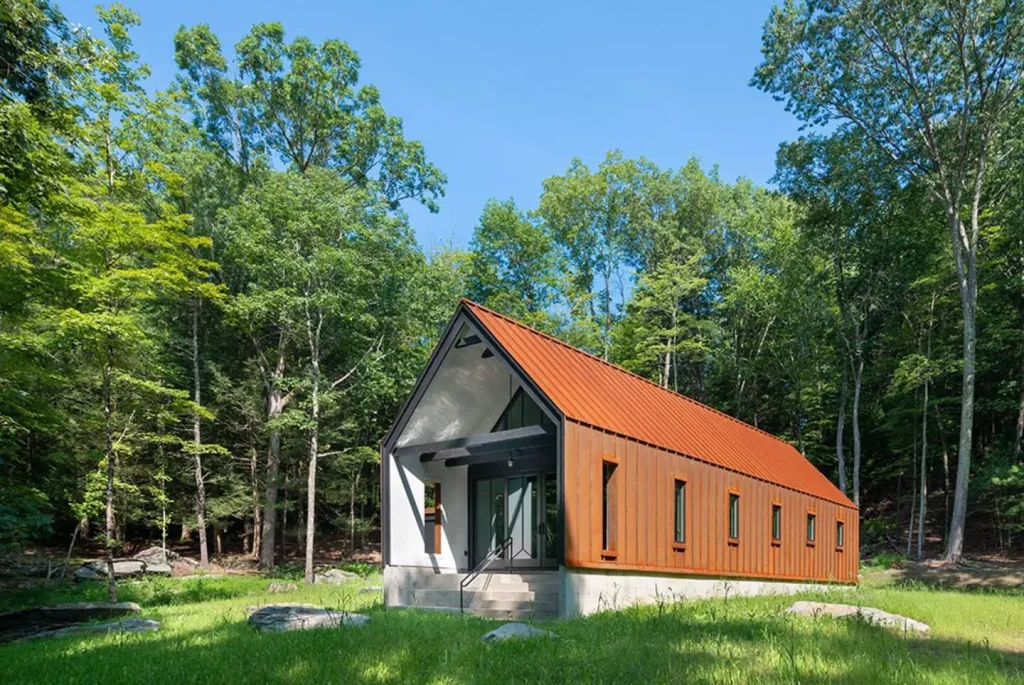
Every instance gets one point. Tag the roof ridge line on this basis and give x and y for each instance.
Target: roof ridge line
(466, 300)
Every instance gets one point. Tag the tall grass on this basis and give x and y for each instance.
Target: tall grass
(976, 638)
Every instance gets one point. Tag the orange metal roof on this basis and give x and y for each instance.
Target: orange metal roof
(589, 390)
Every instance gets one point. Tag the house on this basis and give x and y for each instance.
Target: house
(526, 477)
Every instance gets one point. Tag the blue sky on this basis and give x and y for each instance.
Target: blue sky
(504, 95)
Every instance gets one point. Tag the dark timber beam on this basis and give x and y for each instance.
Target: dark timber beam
(527, 436)
(514, 455)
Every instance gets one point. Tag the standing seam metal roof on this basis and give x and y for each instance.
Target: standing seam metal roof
(590, 390)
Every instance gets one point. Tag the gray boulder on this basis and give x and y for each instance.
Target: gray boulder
(125, 625)
(155, 555)
(371, 588)
(97, 568)
(278, 618)
(874, 616)
(158, 569)
(333, 576)
(515, 631)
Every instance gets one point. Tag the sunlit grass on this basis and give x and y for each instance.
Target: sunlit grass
(976, 638)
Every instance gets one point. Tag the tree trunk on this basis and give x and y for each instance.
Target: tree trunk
(858, 375)
(218, 537)
(922, 507)
(313, 335)
(352, 509)
(186, 533)
(1020, 418)
(256, 520)
(969, 300)
(108, 439)
(840, 425)
(268, 537)
(197, 439)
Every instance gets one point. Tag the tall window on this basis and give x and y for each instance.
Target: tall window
(734, 516)
(609, 497)
(432, 517)
(811, 521)
(840, 534)
(680, 511)
(776, 522)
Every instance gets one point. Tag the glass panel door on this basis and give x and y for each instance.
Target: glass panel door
(523, 519)
(549, 527)
(488, 516)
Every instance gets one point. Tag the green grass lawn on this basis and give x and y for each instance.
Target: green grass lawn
(976, 638)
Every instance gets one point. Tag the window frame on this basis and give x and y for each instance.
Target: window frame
(678, 543)
(840, 535)
(776, 540)
(733, 496)
(812, 528)
(610, 513)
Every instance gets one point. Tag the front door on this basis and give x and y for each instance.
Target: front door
(520, 507)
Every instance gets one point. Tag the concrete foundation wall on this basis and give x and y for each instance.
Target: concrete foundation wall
(587, 592)
(400, 581)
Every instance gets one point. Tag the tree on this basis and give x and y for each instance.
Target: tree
(929, 83)
(593, 216)
(514, 267)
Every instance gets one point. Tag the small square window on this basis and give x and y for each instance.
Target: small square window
(811, 521)
(776, 522)
(734, 515)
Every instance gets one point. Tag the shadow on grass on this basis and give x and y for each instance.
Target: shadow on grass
(148, 592)
(703, 642)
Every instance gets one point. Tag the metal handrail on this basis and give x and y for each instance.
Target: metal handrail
(495, 553)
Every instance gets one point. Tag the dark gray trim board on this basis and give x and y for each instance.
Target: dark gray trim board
(527, 436)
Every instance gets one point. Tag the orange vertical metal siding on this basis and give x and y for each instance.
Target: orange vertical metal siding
(655, 435)
(646, 513)
(594, 392)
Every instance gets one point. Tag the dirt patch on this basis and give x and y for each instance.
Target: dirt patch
(968, 574)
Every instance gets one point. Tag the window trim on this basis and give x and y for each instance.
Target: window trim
(678, 545)
(733, 540)
(776, 541)
(812, 527)
(840, 535)
(609, 552)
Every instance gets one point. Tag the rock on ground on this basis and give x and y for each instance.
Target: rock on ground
(282, 587)
(333, 576)
(277, 618)
(97, 568)
(874, 616)
(155, 555)
(158, 569)
(515, 631)
(371, 588)
(125, 625)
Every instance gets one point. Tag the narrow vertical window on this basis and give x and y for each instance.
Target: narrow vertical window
(734, 516)
(776, 522)
(609, 508)
(432, 518)
(680, 512)
(811, 520)
(840, 534)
